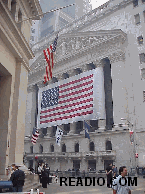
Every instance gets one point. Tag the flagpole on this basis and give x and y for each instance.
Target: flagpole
(46, 13)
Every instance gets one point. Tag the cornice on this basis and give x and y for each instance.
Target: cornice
(14, 36)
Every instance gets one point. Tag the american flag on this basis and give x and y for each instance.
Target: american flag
(49, 57)
(70, 100)
(35, 135)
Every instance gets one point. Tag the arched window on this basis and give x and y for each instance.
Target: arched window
(108, 145)
(31, 149)
(92, 147)
(63, 148)
(66, 128)
(94, 125)
(53, 132)
(79, 127)
(76, 147)
(65, 75)
(13, 7)
(52, 148)
(41, 149)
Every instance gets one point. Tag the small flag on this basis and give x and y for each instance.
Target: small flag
(35, 135)
(49, 56)
(58, 135)
(131, 136)
(87, 130)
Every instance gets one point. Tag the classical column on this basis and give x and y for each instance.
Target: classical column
(18, 114)
(72, 128)
(108, 93)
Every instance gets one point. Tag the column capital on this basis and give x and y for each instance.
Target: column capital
(31, 88)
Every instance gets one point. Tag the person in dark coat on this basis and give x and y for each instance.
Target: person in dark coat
(44, 177)
(109, 176)
(18, 179)
(48, 172)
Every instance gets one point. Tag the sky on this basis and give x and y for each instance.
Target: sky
(97, 3)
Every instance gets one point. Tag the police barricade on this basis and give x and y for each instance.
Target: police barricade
(6, 186)
(29, 192)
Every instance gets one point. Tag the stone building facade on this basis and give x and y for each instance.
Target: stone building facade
(15, 54)
(111, 38)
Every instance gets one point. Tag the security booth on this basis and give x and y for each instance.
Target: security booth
(6, 186)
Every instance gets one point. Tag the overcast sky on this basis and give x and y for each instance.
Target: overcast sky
(97, 3)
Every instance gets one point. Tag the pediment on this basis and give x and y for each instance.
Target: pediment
(71, 44)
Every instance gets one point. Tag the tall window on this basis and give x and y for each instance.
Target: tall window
(66, 128)
(92, 147)
(135, 3)
(40, 149)
(52, 148)
(76, 147)
(44, 131)
(13, 8)
(94, 125)
(31, 149)
(79, 127)
(63, 148)
(53, 132)
(108, 145)
(144, 15)
(142, 58)
(137, 19)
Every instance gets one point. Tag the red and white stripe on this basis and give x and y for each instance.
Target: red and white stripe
(75, 99)
(49, 59)
(35, 137)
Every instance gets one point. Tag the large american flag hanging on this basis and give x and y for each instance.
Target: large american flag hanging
(49, 57)
(73, 99)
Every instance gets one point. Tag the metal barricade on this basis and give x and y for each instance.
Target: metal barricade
(6, 186)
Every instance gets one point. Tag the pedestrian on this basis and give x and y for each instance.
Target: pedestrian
(48, 172)
(109, 176)
(120, 186)
(17, 178)
(40, 172)
(114, 170)
(44, 177)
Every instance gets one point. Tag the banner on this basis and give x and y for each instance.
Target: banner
(77, 98)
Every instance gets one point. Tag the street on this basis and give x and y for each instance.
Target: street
(54, 188)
